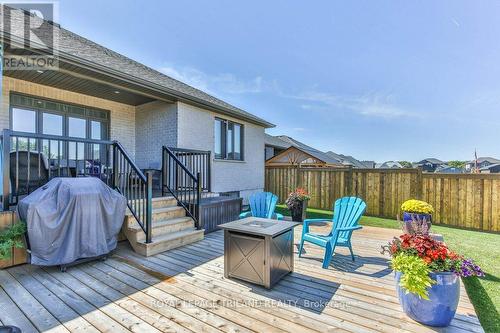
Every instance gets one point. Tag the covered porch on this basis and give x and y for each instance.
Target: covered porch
(183, 290)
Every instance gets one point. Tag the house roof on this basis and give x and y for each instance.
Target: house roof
(491, 166)
(284, 142)
(82, 50)
(275, 141)
(487, 159)
(307, 149)
(349, 160)
(430, 160)
(389, 165)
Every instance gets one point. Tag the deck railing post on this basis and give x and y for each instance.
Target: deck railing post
(115, 166)
(198, 198)
(149, 206)
(6, 169)
(209, 172)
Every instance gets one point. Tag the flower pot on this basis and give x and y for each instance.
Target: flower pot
(440, 309)
(409, 219)
(299, 213)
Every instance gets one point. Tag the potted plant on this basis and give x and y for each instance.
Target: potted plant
(427, 277)
(417, 216)
(11, 237)
(297, 204)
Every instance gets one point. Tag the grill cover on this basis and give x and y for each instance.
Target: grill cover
(72, 218)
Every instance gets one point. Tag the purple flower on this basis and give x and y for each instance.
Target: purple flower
(468, 268)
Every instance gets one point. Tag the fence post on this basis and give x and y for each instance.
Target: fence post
(348, 182)
(298, 178)
(6, 169)
(420, 183)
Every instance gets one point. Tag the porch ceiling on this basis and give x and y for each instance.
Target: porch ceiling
(81, 80)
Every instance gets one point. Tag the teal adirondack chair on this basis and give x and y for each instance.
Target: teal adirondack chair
(346, 214)
(262, 205)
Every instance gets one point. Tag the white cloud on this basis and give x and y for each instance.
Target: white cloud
(370, 105)
(218, 83)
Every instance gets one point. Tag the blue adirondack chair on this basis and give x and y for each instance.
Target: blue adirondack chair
(262, 205)
(346, 214)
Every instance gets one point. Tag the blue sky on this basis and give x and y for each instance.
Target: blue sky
(379, 80)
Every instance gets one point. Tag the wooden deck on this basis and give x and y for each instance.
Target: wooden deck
(183, 290)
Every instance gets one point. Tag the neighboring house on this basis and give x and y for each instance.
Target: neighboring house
(482, 162)
(492, 168)
(351, 161)
(389, 165)
(295, 153)
(445, 168)
(369, 164)
(305, 155)
(302, 157)
(428, 164)
(274, 145)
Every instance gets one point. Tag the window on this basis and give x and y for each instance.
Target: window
(228, 140)
(23, 120)
(36, 115)
(52, 124)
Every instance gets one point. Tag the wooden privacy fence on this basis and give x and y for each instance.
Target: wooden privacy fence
(460, 200)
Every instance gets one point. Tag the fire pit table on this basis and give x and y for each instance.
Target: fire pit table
(258, 250)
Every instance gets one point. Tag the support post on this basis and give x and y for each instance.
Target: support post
(198, 199)
(115, 166)
(149, 206)
(6, 169)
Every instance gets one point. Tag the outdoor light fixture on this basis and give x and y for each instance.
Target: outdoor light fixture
(116, 92)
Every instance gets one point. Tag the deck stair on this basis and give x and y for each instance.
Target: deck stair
(171, 228)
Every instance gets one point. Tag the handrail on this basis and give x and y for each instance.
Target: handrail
(44, 162)
(196, 161)
(182, 184)
(131, 182)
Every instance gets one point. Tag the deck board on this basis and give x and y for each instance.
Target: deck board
(183, 290)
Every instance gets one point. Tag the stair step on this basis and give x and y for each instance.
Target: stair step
(135, 232)
(168, 241)
(161, 202)
(159, 214)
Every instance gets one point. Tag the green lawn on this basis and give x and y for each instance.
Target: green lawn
(483, 247)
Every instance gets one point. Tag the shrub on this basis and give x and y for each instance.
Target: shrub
(415, 278)
(417, 206)
(9, 238)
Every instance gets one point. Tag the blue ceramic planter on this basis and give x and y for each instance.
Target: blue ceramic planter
(407, 217)
(440, 309)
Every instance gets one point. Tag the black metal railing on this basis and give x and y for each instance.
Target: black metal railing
(196, 161)
(181, 183)
(129, 180)
(30, 160)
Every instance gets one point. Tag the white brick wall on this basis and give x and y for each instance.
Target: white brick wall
(143, 130)
(122, 126)
(156, 126)
(196, 130)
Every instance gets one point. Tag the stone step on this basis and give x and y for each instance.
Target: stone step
(168, 241)
(135, 233)
(158, 214)
(161, 202)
